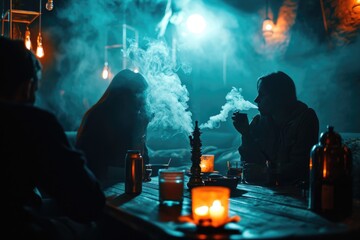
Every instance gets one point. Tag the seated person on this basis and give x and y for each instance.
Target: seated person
(115, 124)
(276, 145)
(36, 157)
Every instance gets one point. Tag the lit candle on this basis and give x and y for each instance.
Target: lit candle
(217, 210)
(210, 205)
(207, 163)
(202, 211)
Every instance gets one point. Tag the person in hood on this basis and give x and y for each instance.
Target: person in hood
(116, 123)
(276, 145)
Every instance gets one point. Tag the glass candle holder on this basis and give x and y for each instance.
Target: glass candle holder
(210, 205)
(171, 186)
(207, 163)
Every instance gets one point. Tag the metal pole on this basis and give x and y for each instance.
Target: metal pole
(10, 21)
(323, 15)
(2, 19)
(124, 46)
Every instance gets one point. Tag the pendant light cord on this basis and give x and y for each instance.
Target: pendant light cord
(266, 9)
(40, 17)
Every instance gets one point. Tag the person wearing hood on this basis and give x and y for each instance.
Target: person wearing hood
(276, 145)
(116, 123)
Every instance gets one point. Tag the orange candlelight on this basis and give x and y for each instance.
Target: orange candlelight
(210, 205)
(207, 163)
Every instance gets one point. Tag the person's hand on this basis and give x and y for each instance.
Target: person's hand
(241, 122)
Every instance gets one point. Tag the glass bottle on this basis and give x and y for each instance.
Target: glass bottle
(330, 190)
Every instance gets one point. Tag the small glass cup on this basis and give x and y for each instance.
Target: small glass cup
(171, 186)
(235, 169)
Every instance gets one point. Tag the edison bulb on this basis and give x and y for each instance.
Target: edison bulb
(27, 39)
(49, 5)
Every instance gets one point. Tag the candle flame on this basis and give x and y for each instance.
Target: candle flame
(216, 203)
(217, 210)
(202, 211)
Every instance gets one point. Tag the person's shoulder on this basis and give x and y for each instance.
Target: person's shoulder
(38, 112)
(311, 115)
(303, 107)
(36, 115)
(307, 112)
(28, 115)
(21, 108)
(311, 111)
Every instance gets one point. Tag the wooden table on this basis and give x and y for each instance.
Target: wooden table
(266, 213)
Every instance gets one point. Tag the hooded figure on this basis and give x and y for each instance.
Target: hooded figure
(115, 124)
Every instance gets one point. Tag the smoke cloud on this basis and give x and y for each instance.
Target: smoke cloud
(167, 98)
(234, 102)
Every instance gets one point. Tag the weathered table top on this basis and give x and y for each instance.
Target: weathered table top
(266, 213)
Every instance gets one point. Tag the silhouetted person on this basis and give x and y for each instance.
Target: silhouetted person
(276, 144)
(115, 124)
(36, 158)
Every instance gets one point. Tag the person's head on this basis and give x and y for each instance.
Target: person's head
(127, 86)
(276, 91)
(20, 72)
(129, 80)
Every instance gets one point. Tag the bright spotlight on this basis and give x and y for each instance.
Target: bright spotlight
(196, 23)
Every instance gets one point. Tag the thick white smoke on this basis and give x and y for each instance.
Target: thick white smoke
(167, 97)
(234, 102)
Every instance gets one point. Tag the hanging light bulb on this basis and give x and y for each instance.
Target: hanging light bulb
(268, 27)
(39, 49)
(106, 71)
(49, 5)
(27, 39)
(356, 6)
(268, 24)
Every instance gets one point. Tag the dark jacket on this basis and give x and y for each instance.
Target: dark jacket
(35, 153)
(283, 150)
